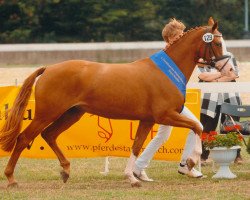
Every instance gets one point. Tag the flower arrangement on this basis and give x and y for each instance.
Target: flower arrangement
(234, 128)
(213, 139)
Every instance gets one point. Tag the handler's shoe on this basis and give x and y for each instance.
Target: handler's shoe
(183, 169)
(142, 176)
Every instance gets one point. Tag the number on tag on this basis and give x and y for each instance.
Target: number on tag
(208, 37)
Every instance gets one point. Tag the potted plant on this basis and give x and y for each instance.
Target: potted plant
(223, 150)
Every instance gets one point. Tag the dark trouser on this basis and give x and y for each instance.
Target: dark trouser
(210, 124)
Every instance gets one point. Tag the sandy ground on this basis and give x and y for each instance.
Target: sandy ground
(12, 75)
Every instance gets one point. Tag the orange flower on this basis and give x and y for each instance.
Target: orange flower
(211, 138)
(204, 136)
(213, 133)
(240, 137)
(229, 128)
(237, 126)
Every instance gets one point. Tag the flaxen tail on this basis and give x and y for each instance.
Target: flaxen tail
(12, 127)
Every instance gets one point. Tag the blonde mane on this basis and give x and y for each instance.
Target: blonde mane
(183, 34)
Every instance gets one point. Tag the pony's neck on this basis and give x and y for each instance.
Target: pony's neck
(184, 51)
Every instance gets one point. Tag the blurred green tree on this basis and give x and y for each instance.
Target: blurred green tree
(111, 20)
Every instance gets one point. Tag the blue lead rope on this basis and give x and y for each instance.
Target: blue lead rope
(168, 67)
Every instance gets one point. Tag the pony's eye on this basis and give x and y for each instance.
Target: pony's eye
(218, 44)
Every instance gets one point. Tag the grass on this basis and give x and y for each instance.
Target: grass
(40, 179)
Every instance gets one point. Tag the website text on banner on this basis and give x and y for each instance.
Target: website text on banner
(94, 136)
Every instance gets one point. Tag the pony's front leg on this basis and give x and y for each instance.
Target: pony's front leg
(191, 122)
(129, 171)
(180, 120)
(195, 156)
(141, 135)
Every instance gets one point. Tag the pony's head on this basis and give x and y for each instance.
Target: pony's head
(212, 46)
(214, 51)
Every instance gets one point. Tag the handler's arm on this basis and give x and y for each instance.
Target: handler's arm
(209, 76)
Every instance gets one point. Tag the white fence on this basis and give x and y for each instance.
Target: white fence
(102, 51)
(242, 87)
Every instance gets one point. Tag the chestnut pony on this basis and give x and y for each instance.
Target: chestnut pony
(133, 91)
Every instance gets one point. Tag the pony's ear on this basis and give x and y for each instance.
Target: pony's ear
(215, 26)
(210, 21)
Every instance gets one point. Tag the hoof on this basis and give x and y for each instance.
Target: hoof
(136, 184)
(64, 176)
(12, 185)
(190, 163)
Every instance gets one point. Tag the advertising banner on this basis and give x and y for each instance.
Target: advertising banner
(94, 136)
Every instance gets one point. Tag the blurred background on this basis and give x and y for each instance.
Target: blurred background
(54, 21)
(42, 32)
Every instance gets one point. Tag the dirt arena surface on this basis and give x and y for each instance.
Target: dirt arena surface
(12, 75)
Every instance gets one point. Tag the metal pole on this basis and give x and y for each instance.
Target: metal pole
(246, 15)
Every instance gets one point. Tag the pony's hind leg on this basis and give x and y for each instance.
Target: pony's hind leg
(141, 135)
(23, 140)
(55, 129)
